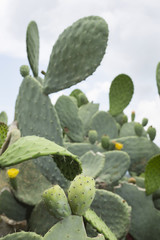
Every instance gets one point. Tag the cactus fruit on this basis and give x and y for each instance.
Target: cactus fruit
(133, 116)
(56, 202)
(105, 142)
(138, 129)
(24, 70)
(151, 132)
(81, 194)
(92, 135)
(144, 122)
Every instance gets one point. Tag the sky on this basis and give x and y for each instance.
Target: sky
(133, 49)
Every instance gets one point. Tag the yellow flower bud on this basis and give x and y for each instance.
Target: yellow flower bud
(118, 145)
(12, 172)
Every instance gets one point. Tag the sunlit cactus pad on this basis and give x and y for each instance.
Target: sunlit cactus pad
(33, 147)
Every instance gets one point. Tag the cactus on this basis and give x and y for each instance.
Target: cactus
(151, 132)
(92, 163)
(56, 202)
(69, 65)
(81, 194)
(143, 218)
(121, 91)
(32, 147)
(152, 175)
(138, 129)
(32, 42)
(158, 77)
(70, 122)
(92, 136)
(104, 123)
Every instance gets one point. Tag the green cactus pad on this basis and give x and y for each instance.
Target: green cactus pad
(3, 117)
(35, 113)
(120, 95)
(85, 113)
(92, 163)
(76, 54)
(140, 150)
(145, 218)
(32, 42)
(3, 133)
(99, 224)
(80, 149)
(30, 182)
(71, 228)
(158, 77)
(41, 220)
(81, 194)
(152, 174)
(68, 114)
(22, 236)
(33, 147)
(10, 206)
(113, 210)
(56, 202)
(116, 165)
(104, 123)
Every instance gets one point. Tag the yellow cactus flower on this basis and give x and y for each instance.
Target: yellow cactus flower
(118, 145)
(12, 172)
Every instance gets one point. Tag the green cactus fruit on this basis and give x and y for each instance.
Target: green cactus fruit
(81, 194)
(133, 116)
(24, 70)
(144, 122)
(138, 129)
(76, 54)
(151, 132)
(3, 133)
(158, 77)
(32, 42)
(92, 135)
(120, 94)
(105, 142)
(56, 202)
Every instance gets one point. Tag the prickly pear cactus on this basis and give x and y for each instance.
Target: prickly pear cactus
(56, 202)
(121, 91)
(32, 41)
(76, 54)
(30, 147)
(81, 194)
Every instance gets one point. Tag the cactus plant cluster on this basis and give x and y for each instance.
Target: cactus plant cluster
(69, 170)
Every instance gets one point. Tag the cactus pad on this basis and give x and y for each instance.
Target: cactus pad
(32, 41)
(76, 54)
(33, 147)
(121, 91)
(56, 202)
(81, 194)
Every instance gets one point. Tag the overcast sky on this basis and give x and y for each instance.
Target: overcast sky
(133, 48)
